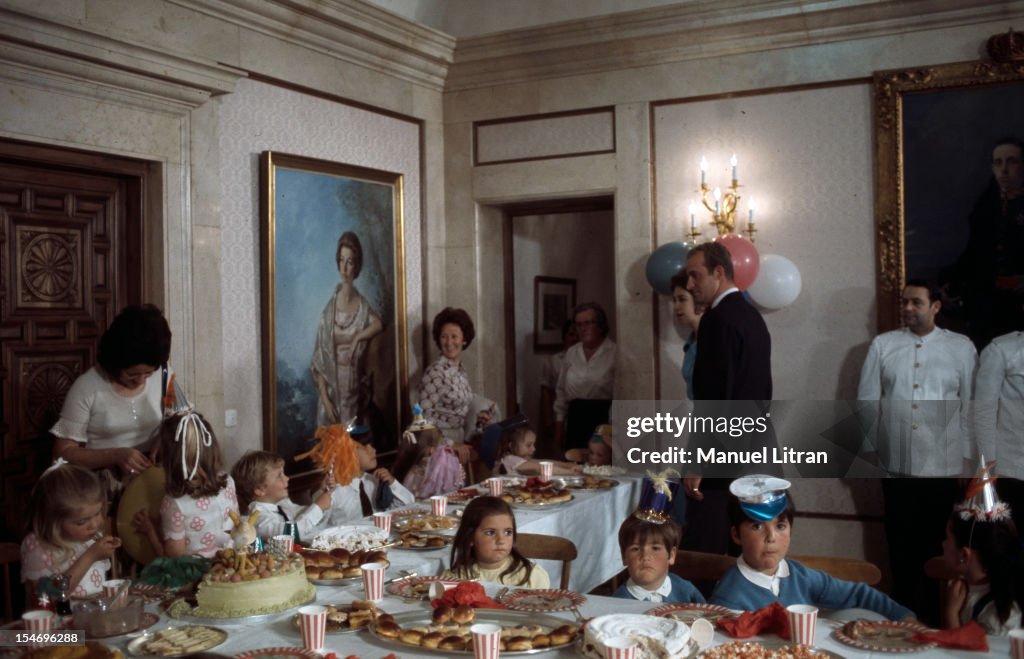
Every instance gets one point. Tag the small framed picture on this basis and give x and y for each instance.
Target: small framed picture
(553, 301)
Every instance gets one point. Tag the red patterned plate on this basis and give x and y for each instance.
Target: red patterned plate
(277, 653)
(416, 587)
(543, 600)
(689, 612)
(883, 636)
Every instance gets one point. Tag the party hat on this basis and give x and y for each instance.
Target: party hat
(981, 502)
(656, 496)
(761, 497)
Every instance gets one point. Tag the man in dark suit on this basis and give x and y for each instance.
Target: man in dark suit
(733, 364)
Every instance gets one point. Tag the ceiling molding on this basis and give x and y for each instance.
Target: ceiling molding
(699, 30)
(349, 30)
(44, 53)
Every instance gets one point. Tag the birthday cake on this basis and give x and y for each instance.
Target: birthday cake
(254, 584)
(658, 638)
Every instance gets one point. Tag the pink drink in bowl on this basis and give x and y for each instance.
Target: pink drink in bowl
(486, 640)
(313, 622)
(547, 468)
(382, 521)
(438, 505)
(802, 620)
(620, 647)
(373, 580)
(495, 486)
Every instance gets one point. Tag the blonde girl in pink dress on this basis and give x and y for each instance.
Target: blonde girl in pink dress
(68, 514)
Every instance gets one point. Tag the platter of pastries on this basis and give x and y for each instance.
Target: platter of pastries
(446, 630)
(348, 618)
(177, 641)
(765, 650)
(337, 566)
(882, 636)
(424, 523)
(416, 587)
(537, 494)
(419, 541)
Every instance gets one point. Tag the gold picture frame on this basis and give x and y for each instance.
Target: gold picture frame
(924, 191)
(309, 210)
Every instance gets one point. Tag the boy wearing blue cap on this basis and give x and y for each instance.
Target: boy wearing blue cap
(761, 514)
(648, 540)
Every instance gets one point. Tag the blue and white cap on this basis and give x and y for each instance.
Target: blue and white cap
(761, 497)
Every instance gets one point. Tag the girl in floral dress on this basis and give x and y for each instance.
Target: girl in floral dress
(68, 513)
(194, 514)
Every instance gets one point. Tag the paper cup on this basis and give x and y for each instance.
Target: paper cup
(1017, 643)
(438, 504)
(703, 632)
(802, 620)
(495, 486)
(438, 587)
(382, 521)
(547, 468)
(282, 544)
(313, 621)
(486, 640)
(38, 622)
(620, 647)
(373, 580)
(111, 586)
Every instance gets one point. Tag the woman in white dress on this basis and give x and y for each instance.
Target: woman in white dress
(347, 324)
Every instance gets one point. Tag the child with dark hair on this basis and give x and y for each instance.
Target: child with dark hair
(515, 455)
(761, 513)
(484, 547)
(983, 548)
(262, 486)
(648, 551)
(66, 520)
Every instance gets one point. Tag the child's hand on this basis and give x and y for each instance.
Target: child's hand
(142, 522)
(132, 461)
(323, 501)
(956, 596)
(103, 548)
(384, 476)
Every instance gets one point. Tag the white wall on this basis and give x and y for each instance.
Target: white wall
(572, 245)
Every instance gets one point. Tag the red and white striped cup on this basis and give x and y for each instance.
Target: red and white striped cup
(110, 588)
(313, 621)
(547, 468)
(620, 647)
(382, 521)
(486, 640)
(438, 504)
(495, 486)
(38, 622)
(373, 580)
(282, 544)
(1017, 643)
(802, 620)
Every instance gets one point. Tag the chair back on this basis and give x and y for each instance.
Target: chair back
(848, 569)
(548, 548)
(10, 553)
(701, 566)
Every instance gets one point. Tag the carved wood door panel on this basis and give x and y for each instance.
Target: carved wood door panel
(70, 258)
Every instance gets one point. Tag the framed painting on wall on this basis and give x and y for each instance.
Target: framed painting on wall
(333, 300)
(553, 300)
(948, 202)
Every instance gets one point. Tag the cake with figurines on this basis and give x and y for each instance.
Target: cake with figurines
(657, 638)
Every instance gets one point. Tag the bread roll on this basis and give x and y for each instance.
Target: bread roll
(331, 573)
(350, 572)
(340, 555)
(463, 614)
(518, 643)
(452, 643)
(412, 636)
(541, 641)
(563, 635)
(357, 619)
(363, 605)
(378, 556)
(312, 572)
(432, 639)
(442, 614)
(388, 628)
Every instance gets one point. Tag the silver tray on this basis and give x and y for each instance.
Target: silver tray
(499, 616)
(259, 617)
(344, 581)
(135, 647)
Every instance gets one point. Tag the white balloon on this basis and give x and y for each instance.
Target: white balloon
(778, 282)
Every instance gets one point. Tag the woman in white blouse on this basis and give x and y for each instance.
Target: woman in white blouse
(583, 398)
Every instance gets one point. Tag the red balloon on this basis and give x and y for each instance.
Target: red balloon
(745, 261)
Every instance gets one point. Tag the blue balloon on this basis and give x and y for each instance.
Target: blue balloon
(664, 263)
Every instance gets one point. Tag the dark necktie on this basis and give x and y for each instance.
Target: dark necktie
(364, 500)
(282, 513)
(385, 497)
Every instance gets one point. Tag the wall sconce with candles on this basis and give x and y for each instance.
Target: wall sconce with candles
(722, 207)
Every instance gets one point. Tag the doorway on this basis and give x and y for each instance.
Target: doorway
(567, 240)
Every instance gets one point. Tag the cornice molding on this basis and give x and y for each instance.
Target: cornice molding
(699, 30)
(45, 53)
(349, 30)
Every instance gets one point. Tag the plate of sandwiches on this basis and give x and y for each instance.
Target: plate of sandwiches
(446, 630)
(348, 618)
(179, 641)
(419, 541)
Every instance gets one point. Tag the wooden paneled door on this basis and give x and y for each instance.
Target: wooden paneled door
(71, 255)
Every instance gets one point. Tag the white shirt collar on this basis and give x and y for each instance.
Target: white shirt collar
(930, 335)
(722, 295)
(761, 579)
(644, 595)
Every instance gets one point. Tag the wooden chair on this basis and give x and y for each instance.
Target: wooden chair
(849, 569)
(548, 548)
(10, 554)
(701, 566)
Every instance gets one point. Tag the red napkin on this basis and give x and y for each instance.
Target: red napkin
(467, 593)
(771, 619)
(969, 637)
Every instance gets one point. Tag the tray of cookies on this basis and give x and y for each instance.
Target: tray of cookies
(338, 567)
(445, 630)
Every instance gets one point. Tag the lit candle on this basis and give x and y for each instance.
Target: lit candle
(703, 170)
(750, 211)
(733, 162)
(718, 199)
(693, 216)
